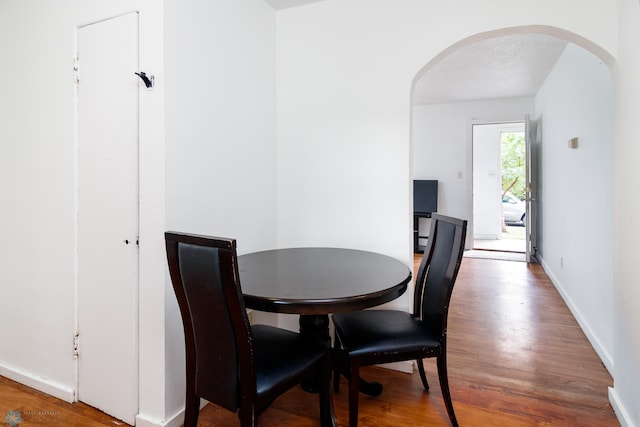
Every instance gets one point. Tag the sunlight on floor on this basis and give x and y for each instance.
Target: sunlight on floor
(510, 247)
(512, 240)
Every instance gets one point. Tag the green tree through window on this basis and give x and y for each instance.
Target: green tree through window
(513, 163)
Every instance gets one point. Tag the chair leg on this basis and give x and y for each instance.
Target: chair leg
(444, 386)
(423, 374)
(191, 410)
(354, 391)
(248, 416)
(327, 414)
(337, 363)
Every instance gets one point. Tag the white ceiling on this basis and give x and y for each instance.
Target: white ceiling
(508, 66)
(284, 4)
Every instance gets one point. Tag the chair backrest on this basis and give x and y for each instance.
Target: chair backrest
(438, 270)
(204, 273)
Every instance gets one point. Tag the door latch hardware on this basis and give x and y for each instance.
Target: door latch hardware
(148, 79)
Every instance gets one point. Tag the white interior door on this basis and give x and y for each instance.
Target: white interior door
(108, 215)
(487, 184)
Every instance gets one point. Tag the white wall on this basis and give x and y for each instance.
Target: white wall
(576, 190)
(221, 120)
(442, 147)
(36, 172)
(626, 394)
(343, 175)
(220, 136)
(344, 114)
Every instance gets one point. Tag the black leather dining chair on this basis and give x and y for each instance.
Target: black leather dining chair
(371, 337)
(233, 364)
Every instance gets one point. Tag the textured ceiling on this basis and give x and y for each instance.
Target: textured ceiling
(501, 67)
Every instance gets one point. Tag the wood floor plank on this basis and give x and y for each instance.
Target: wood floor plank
(35, 408)
(517, 358)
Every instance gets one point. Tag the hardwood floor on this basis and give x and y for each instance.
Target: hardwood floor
(38, 409)
(516, 358)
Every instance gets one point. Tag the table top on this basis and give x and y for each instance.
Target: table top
(320, 280)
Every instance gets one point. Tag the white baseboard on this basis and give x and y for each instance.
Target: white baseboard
(602, 352)
(41, 384)
(619, 409)
(405, 366)
(145, 421)
(176, 420)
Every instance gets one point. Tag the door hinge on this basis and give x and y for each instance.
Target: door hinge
(76, 345)
(76, 77)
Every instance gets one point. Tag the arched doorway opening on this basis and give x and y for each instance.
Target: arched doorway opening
(509, 64)
(574, 192)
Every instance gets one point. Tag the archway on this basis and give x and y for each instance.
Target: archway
(549, 42)
(571, 180)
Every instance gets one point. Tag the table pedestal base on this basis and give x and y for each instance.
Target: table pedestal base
(316, 327)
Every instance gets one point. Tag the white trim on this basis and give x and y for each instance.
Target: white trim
(404, 366)
(176, 420)
(601, 351)
(76, 216)
(623, 415)
(508, 121)
(41, 384)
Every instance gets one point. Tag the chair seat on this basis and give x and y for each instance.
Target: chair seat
(281, 356)
(384, 332)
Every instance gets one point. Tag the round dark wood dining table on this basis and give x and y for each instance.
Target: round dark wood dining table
(314, 282)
